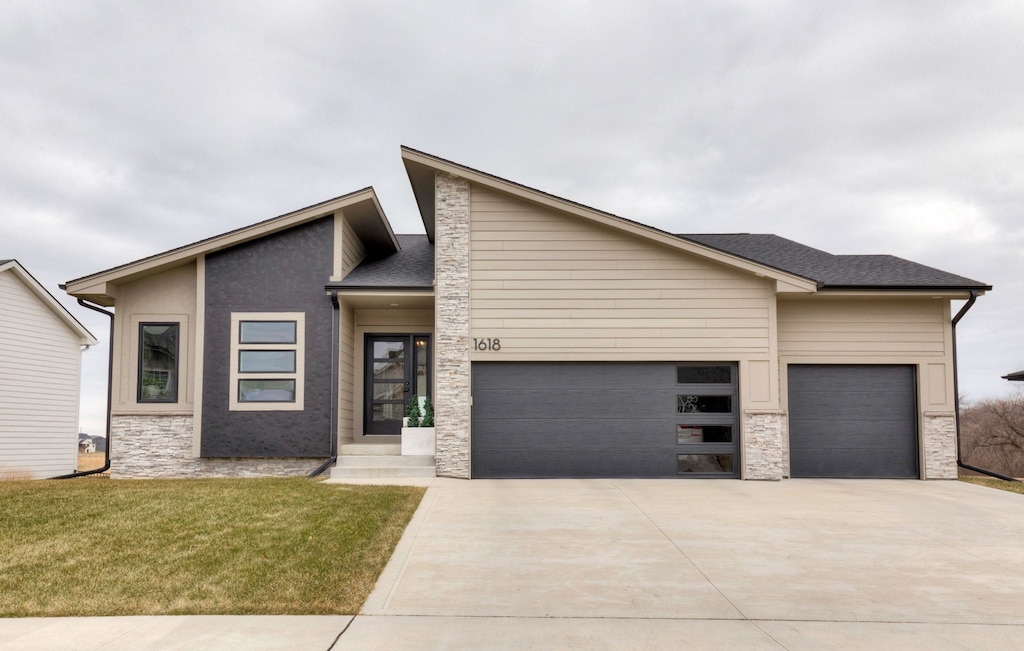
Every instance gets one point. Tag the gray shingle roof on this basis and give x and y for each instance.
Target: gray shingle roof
(413, 265)
(410, 267)
(3, 262)
(1017, 377)
(834, 271)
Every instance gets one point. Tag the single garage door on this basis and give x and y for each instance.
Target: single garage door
(540, 419)
(852, 421)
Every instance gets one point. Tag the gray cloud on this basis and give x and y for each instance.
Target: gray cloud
(861, 127)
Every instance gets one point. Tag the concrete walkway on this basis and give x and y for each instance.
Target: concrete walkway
(186, 633)
(653, 564)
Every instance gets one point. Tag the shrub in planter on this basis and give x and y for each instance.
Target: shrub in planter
(428, 414)
(413, 412)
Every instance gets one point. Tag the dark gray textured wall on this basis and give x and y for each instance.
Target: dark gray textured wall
(285, 272)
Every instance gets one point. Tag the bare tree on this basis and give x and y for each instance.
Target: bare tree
(992, 434)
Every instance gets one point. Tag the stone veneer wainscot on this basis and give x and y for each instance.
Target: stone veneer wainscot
(154, 446)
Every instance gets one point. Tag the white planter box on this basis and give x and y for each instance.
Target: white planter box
(418, 441)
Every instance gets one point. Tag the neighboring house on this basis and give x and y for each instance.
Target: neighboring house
(40, 371)
(1015, 377)
(555, 340)
(86, 445)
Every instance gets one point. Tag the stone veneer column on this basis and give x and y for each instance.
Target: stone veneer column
(940, 445)
(451, 309)
(763, 449)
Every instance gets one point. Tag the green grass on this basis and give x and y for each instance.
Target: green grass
(1011, 486)
(91, 547)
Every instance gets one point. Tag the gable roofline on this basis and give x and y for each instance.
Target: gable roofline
(421, 167)
(85, 337)
(361, 208)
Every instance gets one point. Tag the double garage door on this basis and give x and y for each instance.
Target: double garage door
(540, 419)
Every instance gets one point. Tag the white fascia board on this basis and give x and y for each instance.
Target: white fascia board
(85, 337)
(184, 254)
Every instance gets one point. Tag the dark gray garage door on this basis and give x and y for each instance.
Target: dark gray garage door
(539, 419)
(852, 421)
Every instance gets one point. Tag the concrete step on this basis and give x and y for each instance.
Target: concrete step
(386, 461)
(364, 472)
(370, 449)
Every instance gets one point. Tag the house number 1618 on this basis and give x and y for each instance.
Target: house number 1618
(487, 344)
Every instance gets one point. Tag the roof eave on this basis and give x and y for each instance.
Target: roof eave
(980, 289)
(421, 167)
(367, 218)
(85, 337)
(421, 178)
(379, 288)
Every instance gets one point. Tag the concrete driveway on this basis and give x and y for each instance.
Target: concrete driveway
(658, 564)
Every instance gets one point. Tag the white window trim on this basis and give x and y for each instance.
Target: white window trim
(300, 361)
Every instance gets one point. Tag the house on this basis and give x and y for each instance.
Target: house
(555, 340)
(41, 347)
(86, 445)
(1015, 377)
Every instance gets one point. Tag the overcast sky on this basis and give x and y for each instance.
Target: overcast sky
(127, 129)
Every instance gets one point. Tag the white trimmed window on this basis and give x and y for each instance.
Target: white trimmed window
(267, 361)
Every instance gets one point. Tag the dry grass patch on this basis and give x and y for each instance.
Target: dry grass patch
(1011, 486)
(14, 474)
(90, 461)
(212, 546)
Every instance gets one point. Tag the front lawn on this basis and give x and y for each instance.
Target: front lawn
(212, 546)
(992, 482)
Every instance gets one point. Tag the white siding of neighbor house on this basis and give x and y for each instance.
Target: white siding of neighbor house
(40, 365)
(553, 286)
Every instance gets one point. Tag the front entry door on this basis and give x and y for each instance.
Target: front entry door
(397, 368)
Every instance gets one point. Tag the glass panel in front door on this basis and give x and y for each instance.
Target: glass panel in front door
(387, 383)
(397, 368)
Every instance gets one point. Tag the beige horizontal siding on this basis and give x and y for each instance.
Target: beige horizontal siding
(346, 377)
(354, 251)
(384, 319)
(875, 328)
(555, 286)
